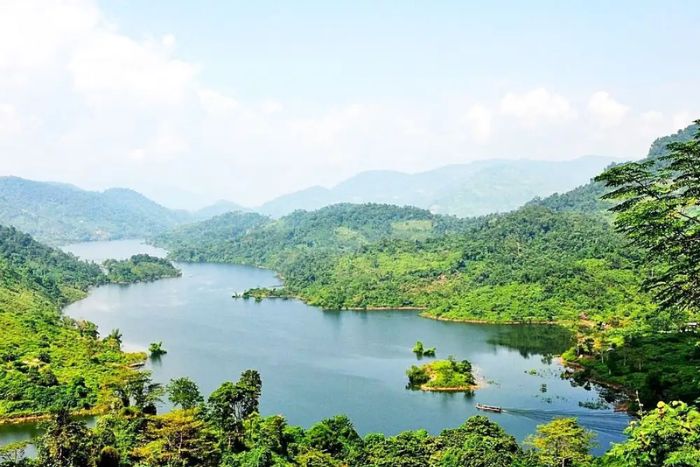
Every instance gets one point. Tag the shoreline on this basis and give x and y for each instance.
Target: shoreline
(8, 420)
(489, 321)
(577, 367)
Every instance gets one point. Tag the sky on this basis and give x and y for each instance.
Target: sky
(191, 102)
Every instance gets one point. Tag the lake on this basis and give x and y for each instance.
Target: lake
(317, 364)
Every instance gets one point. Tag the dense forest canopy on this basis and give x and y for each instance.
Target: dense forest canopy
(139, 268)
(227, 430)
(48, 361)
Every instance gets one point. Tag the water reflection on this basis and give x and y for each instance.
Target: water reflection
(543, 340)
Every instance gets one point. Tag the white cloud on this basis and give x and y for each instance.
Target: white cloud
(10, 123)
(168, 40)
(536, 106)
(80, 97)
(479, 121)
(114, 67)
(35, 33)
(605, 110)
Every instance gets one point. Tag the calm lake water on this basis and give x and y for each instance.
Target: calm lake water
(317, 364)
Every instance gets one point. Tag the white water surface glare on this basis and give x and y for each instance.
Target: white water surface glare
(316, 364)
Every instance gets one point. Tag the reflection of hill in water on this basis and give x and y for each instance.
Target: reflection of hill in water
(529, 339)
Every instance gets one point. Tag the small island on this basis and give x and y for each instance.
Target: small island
(156, 349)
(421, 351)
(139, 268)
(442, 375)
(258, 293)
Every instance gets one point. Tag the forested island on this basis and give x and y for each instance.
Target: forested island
(139, 268)
(442, 375)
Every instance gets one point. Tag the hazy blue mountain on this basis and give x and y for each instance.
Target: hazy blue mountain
(308, 199)
(217, 209)
(57, 213)
(472, 189)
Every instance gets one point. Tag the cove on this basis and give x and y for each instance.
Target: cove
(316, 364)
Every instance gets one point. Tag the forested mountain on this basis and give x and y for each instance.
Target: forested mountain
(47, 360)
(473, 189)
(60, 213)
(254, 239)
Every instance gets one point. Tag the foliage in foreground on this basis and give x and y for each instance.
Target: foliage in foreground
(227, 430)
(658, 209)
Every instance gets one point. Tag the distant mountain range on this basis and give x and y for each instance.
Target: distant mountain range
(62, 213)
(57, 212)
(463, 190)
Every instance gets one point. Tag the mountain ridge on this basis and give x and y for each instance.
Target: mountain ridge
(465, 190)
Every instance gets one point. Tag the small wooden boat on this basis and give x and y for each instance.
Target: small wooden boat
(489, 408)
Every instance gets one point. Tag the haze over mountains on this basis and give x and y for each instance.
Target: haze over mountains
(463, 190)
(60, 213)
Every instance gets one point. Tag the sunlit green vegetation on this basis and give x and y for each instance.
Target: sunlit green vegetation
(253, 239)
(47, 360)
(139, 268)
(226, 429)
(442, 375)
(155, 349)
(422, 351)
(654, 366)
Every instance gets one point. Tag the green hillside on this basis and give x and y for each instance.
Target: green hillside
(47, 360)
(59, 213)
(249, 238)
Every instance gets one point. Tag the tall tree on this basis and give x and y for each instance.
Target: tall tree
(184, 392)
(562, 442)
(65, 443)
(231, 403)
(658, 210)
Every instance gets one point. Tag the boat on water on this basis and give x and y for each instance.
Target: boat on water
(489, 408)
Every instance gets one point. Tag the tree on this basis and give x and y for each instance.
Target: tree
(562, 442)
(139, 391)
(479, 442)
(109, 457)
(65, 443)
(184, 392)
(659, 212)
(115, 336)
(231, 403)
(669, 435)
(156, 349)
(418, 348)
(178, 438)
(335, 436)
